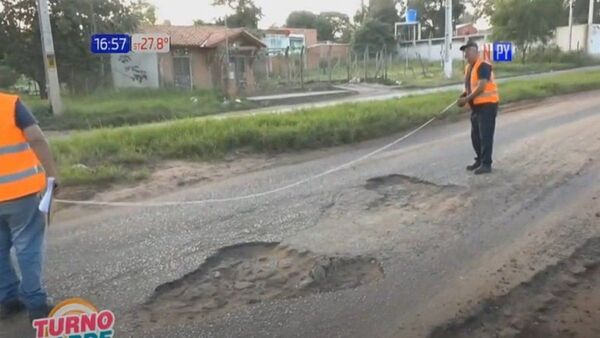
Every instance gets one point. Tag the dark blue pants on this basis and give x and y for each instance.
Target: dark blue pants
(483, 127)
(22, 227)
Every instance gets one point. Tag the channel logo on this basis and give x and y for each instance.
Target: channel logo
(498, 51)
(76, 318)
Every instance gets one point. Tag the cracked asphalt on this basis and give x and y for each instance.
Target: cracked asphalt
(440, 248)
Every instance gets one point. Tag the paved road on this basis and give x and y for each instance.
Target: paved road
(442, 241)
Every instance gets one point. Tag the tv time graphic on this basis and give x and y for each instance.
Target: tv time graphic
(125, 44)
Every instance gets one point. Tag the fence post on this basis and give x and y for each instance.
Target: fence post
(385, 65)
(302, 68)
(348, 60)
(366, 62)
(377, 68)
(287, 65)
(329, 63)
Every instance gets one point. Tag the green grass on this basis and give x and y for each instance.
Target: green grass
(134, 107)
(123, 154)
(129, 107)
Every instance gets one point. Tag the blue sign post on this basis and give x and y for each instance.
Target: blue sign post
(503, 51)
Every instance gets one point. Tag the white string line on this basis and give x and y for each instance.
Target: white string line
(260, 194)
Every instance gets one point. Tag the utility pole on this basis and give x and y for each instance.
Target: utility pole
(570, 24)
(227, 59)
(590, 23)
(53, 85)
(448, 41)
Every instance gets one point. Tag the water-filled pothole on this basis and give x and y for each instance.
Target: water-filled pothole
(255, 272)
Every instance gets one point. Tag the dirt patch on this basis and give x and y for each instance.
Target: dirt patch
(165, 178)
(561, 301)
(252, 273)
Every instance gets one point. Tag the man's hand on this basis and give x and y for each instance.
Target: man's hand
(56, 186)
(462, 101)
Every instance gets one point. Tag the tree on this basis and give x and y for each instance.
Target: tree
(511, 21)
(361, 14)
(432, 15)
(325, 29)
(377, 28)
(478, 9)
(246, 15)
(8, 77)
(301, 19)
(145, 11)
(73, 22)
(374, 34)
(330, 26)
(341, 27)
(384, 11)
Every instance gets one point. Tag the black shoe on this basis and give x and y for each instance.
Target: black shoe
(40, 313)
(474, 166)
(11, 308)
(484, 169)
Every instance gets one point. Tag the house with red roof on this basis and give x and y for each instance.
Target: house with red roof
(197, 60)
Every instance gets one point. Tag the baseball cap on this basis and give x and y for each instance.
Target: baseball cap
(469, 44)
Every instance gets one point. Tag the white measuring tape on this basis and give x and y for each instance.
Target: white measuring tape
(260, 194)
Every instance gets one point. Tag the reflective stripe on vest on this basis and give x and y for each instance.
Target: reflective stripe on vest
(14, 149)
(21, 173)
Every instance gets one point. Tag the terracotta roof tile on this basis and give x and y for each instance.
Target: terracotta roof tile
(201, 36)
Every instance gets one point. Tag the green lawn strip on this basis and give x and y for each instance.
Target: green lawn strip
(130, 107)
(122, 154)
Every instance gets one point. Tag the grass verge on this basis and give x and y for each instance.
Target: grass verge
(130, 107)
(124, 154)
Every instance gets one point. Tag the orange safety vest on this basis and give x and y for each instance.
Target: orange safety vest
(490, 93)
(21, 173)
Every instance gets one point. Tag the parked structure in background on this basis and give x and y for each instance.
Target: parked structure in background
(583, 37)
(432, 49)
(197, 60)
(292, 40)
(293, 50)
(466, 29)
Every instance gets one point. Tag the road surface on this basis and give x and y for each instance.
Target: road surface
(427, 240)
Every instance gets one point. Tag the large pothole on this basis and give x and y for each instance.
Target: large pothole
(252, 273)
(407, 191)
(558, 302)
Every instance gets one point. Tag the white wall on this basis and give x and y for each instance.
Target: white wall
(122, 70)
(594, 42)
(431, 50)
(578, 38)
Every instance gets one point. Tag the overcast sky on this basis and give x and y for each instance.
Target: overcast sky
(183, 12)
